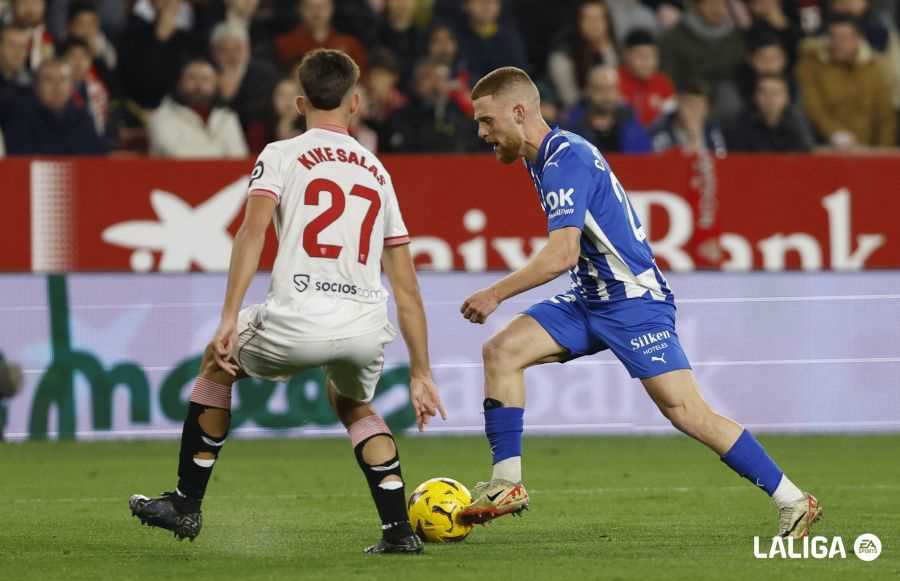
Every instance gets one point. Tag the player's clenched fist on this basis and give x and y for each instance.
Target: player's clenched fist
(478, 307)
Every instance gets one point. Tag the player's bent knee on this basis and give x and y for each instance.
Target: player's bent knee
(688, 418)
(498, 353)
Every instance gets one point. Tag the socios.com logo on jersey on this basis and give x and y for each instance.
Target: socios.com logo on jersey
(303, 282)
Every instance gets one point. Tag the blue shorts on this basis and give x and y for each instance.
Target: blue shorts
(641, 333)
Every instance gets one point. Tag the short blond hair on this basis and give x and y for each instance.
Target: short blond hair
(502, 80)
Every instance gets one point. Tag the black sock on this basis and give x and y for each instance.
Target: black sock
(390, 502)
(194, 473)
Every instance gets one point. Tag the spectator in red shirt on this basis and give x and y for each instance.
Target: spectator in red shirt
(314, 32)
(649, 92)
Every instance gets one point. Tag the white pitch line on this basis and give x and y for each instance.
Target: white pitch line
(710, 300)
(776, 299)
(601, 362)
(725, 363)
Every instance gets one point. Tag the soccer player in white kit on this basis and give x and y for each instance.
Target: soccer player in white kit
(337, 220)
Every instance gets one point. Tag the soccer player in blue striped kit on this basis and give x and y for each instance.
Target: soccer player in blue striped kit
(619, 300)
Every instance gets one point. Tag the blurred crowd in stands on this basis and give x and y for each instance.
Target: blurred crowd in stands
(216, 78)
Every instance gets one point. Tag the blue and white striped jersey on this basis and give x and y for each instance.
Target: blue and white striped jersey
(577, 188)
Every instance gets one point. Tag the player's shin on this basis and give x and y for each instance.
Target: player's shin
(749, 459)
(377, 456)
(503, 427)
(202, 437)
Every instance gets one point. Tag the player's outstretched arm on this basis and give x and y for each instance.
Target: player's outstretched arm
(245, 253)
(398, 265)
(559, 255)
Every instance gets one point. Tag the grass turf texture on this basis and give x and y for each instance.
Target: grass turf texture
(610, 508)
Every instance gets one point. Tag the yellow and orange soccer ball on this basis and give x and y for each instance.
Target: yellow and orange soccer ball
(434, 508)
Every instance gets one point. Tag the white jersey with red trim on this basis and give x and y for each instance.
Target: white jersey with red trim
(336, 212)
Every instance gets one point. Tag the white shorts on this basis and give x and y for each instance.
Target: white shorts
(354, 363)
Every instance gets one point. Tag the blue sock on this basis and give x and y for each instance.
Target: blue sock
(503, 427)
(748, 458)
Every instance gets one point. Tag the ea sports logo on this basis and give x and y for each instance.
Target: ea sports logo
(867, 547)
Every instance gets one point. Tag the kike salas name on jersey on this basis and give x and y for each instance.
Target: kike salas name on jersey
(577, 188)
(316, 155)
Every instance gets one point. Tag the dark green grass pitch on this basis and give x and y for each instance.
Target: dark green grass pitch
(602, 508)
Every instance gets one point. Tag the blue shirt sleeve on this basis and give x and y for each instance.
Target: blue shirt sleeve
(567, 185)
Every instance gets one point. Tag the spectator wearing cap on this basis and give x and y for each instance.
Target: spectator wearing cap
(431, 121)
(603, 119)
(49, 122)
(399, 33)
(30, 15)
(15, 80)
(706, 47)
(486, 43)
(90, 91)
(649, 92)
(151, 52)
(245, 83)
(772, 123)
(314, 32)
(443, 47)
(191, 124)
(845, 88)
(689, 128)
(592, 43)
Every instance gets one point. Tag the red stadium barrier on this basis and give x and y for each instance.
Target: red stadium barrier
(464, 212)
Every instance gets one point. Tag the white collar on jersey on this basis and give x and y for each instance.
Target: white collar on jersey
(332, 127)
